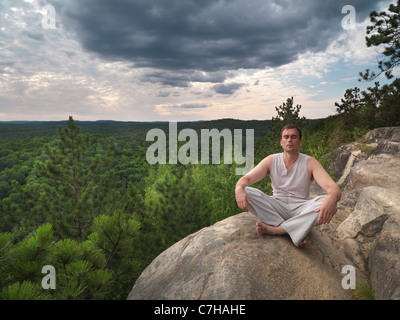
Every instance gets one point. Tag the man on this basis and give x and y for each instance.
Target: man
(290, 210)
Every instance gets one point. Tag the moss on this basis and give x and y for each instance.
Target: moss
(363, 291)
(365, 148)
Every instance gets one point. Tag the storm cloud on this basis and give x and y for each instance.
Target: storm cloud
(177, 59)
(206, 35)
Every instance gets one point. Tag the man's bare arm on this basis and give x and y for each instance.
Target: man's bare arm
(255, 175)
(328, 206)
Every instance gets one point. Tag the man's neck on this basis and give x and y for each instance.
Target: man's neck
(290, 158)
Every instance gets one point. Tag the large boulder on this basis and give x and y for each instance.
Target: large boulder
(228, 260)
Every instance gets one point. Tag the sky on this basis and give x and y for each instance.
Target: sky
(180, 60)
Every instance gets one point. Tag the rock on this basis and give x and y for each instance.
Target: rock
(381, 170)
(386, 133)
(375, 142)
(370, 235)
(388, 147)
(387, 140)
(228, 260)
(384, 261)
(396, 295)
(374, 207)
(354, 253)
(344, 158)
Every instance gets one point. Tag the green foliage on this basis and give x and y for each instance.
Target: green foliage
(98, 268)
(366, 149)
(23, 291)
(360, 112)
(317, 145)
(287, 114)
(72, 196)
(385, 32)
(174, 206)
(352, 101)
(363, 291)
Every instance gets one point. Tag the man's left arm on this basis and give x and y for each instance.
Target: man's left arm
(328, 206)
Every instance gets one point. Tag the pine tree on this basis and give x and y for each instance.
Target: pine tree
(101, 267)
(76, 188)
(385, 32)
(288, 114)
(174, 207)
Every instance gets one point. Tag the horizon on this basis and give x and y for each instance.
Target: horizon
(172, 61)
(149, 121)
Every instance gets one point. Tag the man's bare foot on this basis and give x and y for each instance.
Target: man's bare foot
(263, 228)
(302, 243)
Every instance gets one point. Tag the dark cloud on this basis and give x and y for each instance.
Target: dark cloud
(228, 88)
(182, 78)
(179, 37)
(193, 106)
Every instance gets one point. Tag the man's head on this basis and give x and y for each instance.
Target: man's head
(291, 126)
(291, 138)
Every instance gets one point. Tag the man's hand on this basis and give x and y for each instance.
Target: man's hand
(255, 175)
(241, 199)
(326, 210)
(328, 207)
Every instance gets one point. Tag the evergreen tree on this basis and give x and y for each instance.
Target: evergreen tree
(174, 206)
(77, 185)
(101, 267)
(385, 32)
(288, 114)
(351, 102)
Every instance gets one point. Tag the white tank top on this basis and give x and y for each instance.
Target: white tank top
(294, 182)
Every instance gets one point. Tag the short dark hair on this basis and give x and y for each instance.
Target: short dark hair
(291, 126)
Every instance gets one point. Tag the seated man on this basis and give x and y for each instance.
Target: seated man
(290, 210)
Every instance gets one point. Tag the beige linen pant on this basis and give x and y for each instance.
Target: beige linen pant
(298, 215)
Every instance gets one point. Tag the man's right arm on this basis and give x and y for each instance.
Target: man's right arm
(255, 175)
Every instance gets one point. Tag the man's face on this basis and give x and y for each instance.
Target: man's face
(290, 140)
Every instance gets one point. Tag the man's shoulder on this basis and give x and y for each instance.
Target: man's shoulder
(275, 155)
(309, 158)
(312, 162)
(267, 162)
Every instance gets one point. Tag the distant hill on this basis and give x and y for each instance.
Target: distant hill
(29, 129)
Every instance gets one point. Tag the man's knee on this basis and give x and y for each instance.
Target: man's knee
(251, 192)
